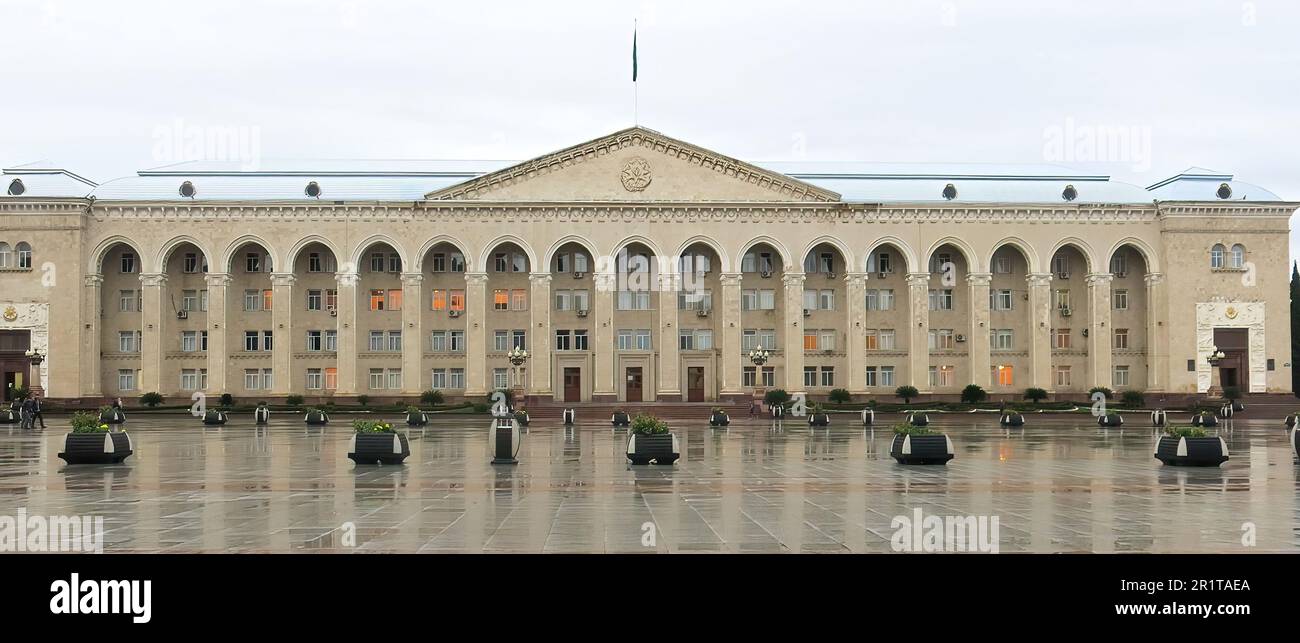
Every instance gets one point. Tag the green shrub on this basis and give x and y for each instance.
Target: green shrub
(903, 428)
(294, 400)
(1109, 394)
(431, 397)
(371, 426)
(907, 393)
(973, 393)
(1185, 432)
(151, 399)
(83, 422)
(776, 397)
(1035, 395)
(646, 424)
(363, 399)
(227, 399)
(412, 409)
(21, 393)
(840, 396)
(1132, 398)
(481, 408)
(1231, 393)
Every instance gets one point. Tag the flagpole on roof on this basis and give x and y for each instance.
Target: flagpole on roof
(636, 97)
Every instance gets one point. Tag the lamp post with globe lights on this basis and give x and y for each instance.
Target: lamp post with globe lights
(518, 356)
(36, 358)
(1215, 357)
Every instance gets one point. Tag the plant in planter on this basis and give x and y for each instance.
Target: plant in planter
(840, 396)
(650, 441)
(151, 399)
(718, 417)
(316, 417)
(9, 416)
(1110, 419)
(91, 442)
(431, 397)
(776, 397)
(111, 415)
(1158, 417)
(919, 445)
(620, 418)
(869, 414)
(521, 416)
(416, 417)
(918, 419)
(377, 442)
(1204, 418)
(1105, 392)
(1186, 446)
(818, 417)
(294, 401)
(1292, 420)
(262, 414)
(214, 416)
(570, 416)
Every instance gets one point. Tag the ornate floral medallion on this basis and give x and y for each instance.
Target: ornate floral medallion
(636, 174)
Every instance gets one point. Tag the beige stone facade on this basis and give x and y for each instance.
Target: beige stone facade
(262, 298)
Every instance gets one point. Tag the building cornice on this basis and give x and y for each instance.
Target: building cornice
(656, 211)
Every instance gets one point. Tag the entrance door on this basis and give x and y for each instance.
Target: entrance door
(572, 384)
(11, 382)
(634, 383)
(695, 384)
(1228, 377)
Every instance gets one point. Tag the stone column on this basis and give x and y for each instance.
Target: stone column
(855, 288)
(792, 283)
(603, 387)
(346, 360)
(218, 298)
(539, 335)
(1157, 347)
(669, 376)
(476, 302)
(733, 358)
(1099, 329)
(918, 332)
(1040, 330)
(977, 340)
(154, 293)
(92, 304)
(412, 333)
(282, 305)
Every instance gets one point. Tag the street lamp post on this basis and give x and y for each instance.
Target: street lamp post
(517, 357)
(36, 359)
(758, 357)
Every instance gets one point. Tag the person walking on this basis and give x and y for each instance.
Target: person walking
(36, 411)
(27, 413)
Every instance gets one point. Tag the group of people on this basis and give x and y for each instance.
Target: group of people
(28, 411)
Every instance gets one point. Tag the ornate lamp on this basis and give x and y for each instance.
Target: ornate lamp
(1214, 358)
(759, 356)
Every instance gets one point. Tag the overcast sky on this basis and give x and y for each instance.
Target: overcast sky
(106, 88)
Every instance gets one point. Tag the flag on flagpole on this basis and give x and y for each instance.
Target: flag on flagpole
(634, 53)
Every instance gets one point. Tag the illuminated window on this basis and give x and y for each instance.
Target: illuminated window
(439, 300)
(377, 299)
(500, 300)
(458, 300)
(395, 299)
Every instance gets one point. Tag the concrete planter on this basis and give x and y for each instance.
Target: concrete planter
(261, 415)
(316, 418)
(620, 418)
(719, 418)
(660, 448)
(1110, 419)
(1011, 419)
(1191, 452)
(1204, 419)
(379, 448)
(918, 419)
(819, 419)
(921, 449)
(112, 416)
(213, 417)
(416, 418)
(96, 448)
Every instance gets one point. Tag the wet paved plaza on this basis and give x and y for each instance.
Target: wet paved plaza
(1060, 484)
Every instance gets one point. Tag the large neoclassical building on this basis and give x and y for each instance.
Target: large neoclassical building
(638, 267)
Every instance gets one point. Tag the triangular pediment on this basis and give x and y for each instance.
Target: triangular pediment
(635, 164)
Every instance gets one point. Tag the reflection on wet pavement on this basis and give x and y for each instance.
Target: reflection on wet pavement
(1057, 485)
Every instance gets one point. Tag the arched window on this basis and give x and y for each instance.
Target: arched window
(6, 255)
(1216, 256)
(1238, 256)
(24, 255)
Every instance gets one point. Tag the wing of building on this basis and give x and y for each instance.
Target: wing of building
(637, 267)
